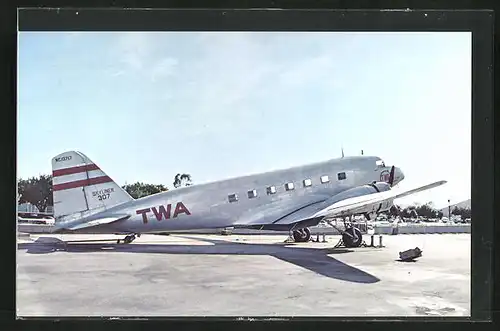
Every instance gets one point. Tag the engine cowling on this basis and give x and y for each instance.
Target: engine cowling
(372, 210)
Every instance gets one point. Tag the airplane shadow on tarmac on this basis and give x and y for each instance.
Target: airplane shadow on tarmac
(313, 259)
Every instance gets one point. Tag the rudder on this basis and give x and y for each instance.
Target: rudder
(79, 185)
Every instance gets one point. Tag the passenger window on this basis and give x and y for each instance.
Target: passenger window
(271, 190)
(324, 179)
(341, 176)
(289, 186)
(252, 194)
(232, 197)
(307, 182)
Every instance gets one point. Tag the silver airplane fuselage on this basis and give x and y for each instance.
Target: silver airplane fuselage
(247, 200)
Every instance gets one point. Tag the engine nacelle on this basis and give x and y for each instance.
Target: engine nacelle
(372, 210)
(378, 208)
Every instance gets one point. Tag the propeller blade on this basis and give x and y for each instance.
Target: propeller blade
(391, 176)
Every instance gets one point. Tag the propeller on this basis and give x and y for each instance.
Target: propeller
(391, 176)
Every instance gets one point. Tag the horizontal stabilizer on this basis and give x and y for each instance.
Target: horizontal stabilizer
(96, 222)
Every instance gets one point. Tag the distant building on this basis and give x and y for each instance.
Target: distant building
(463, 204)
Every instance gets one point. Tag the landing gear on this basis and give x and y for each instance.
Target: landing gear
(128, 239)
(302, 235)
(352, 237)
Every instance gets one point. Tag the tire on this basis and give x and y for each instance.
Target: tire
(352, 242)
(302, 235)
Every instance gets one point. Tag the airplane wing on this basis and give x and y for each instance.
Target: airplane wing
(95, 222)
(349, 206)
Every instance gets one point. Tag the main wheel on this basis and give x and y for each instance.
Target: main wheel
(302, 235)
(354, 241)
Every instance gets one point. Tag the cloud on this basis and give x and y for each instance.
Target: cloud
(225, 74)
(164, 67)
(133, 49)
(137, 53)
(117, 73)
(305, 71)
(225, 70)
(234, 71)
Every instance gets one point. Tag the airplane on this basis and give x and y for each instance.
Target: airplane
(87, 200)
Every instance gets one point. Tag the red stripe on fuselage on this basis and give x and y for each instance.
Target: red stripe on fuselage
(74, 170)
(83, 182)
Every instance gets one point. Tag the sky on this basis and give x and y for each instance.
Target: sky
(145, 106)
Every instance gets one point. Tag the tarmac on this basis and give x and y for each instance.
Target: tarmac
(241, 275)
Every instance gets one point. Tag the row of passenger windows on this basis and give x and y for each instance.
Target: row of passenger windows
(288, 187)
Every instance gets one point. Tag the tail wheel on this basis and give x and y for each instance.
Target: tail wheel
(302, 235)
(128, 239)
(352, 237)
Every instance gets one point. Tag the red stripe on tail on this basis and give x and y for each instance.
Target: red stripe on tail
(81, 183)
(74, 170)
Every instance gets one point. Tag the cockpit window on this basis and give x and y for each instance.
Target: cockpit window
(380, 164)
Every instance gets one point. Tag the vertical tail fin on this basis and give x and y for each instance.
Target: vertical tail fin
(79, 185)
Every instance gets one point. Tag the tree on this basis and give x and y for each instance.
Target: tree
(22, 184)
(409, 212)
(426, 210)
(466, 213)
(395, 211)
(182, 180)
(140, 190)
(37, 191)
(461, 211)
